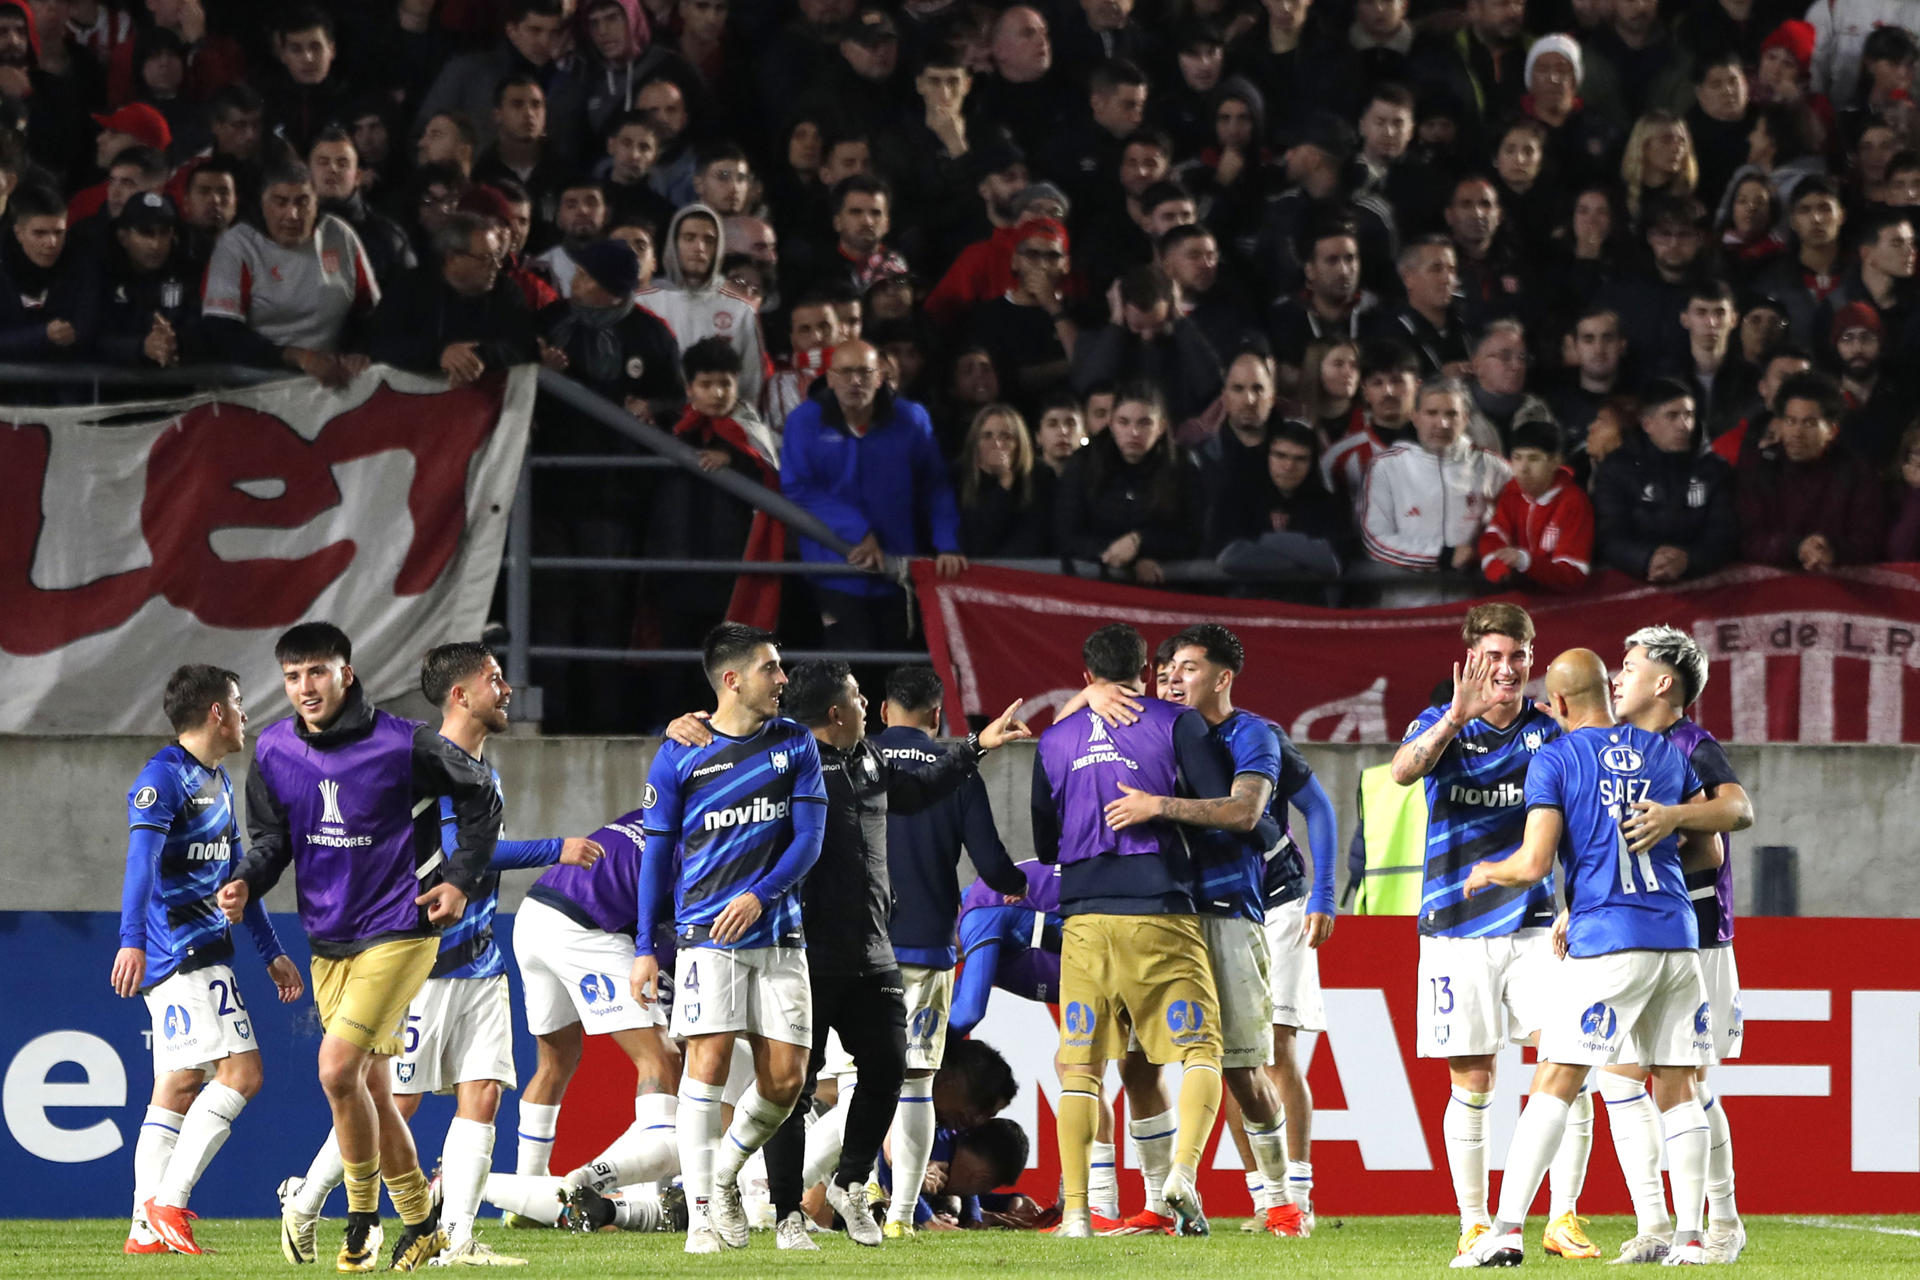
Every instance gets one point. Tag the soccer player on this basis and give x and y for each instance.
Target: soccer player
(742, 819)
(459, 1031)
(923, 857)
(346, 794)
(1008, 946)
(1664, 673)
(176, 948)
(1631, 988)
(1483, 962)
(1133, 949)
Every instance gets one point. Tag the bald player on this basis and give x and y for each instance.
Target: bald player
(1631, 989)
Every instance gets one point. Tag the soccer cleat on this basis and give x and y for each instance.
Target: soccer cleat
(898, 1230)
(1289, 1221)
(1725, 1241)
(299, 1232)
(673, 1208)
(702, 1240)
(1690, 1254)
(792, 1234)
(474, 1253)
(142, 1238)
(1640, 1249)
(851, 1204)
(417, 1246)
(173, 1225)
(726, 1215)
(1471, 1234)
(1564, 1237)
(1075, 1224)
(1184, 1199)
(1144, 1223)
(1492, 1249)
(1102, 1224)
(360, 1251)
(587, 1210)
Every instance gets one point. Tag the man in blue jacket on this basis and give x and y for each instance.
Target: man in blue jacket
(865, 461)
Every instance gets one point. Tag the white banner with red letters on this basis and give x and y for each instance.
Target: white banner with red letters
(137, 537)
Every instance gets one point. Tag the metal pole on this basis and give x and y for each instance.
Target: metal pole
(520, 579)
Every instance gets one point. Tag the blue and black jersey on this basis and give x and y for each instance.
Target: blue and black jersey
(181, 842)
(1476, 811)
(467, 949)
(738, 815)
(1230, 866)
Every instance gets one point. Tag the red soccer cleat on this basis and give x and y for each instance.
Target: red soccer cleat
(1287, 1220)
(1144, 1223)
(173, 1226)
(1102, 1224)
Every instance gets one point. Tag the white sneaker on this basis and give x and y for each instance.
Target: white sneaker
(702, 1240)
(1077, 1224)
(1691, 1254)
(792, 1233)
(1493, 1249)
(1640, 1249)
(474, 1253)
(851, 1204)
(1183, 1198)
(1726, 1241)
(299, 1232)
(726, 1215)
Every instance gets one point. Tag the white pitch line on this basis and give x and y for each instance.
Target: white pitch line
(1852, 1226)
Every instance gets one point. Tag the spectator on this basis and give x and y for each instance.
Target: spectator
(984, 269)
(1663, 509)
(1232, 460)
(1386, 135)
(56, 127)
(1763, 328)
(134, 126)
(1877, 411)
(135, 170)
(1289, 524)
(1903, 533)
(1742, 446)
(1836, 35)
(1882, 273)
(1147, 338)
(1501, 401)
(1025, 94)
(1185, 105)
(1483, 63)
(1720, 119)
(522, 146)
(617, 53)
(1430, 322)
(160, 62)
(1005, 501)
(1028, 331)
(1527, 205)
(813, 333)
(1390, 387)
(633, 144)
(1427, 502)
(1330, 397)
(460, 316)
(1781, 147)
(1542, 527)
(928, 155)
(862, 216)
(1650, 305)
(1598, 355)
(449, 138)
(1318, 162)
(1817, 505)
(212, 201)
(305, 93)
(1649, 69)
(1085, 155)
(1218, 304)
(1062, 433)
(530, 40)
(722, 178)
(865, 462)
(1491, 270)
(47, 293)
(280, 294)
(150, 300)
(1331, 305)
(1659, 159)
(1722, 382)
(695, 301)
(615, 347)
(1126, 500)
(335, 163)
(582, 220)
(1305, 70)
(215, 60)
(1749, 224)
(507, 208)
(1803, 277)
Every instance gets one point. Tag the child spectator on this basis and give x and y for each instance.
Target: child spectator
(1542, 526)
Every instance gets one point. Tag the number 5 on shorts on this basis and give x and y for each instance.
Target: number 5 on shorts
(411, 1045)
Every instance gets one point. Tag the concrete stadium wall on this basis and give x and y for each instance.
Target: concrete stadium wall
(1853, 812)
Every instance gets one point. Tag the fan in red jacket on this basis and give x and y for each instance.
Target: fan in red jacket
(1542, 526)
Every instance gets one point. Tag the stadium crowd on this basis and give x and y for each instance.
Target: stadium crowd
(1419, 294)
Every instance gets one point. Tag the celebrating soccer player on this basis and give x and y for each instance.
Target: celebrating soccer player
(343, 792)
(175, 948)
(1631, 989)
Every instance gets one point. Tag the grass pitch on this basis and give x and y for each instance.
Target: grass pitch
(1377, 1248)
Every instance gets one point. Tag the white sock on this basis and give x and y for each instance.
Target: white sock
(323, 1175)
(536, 1196)
(1720, 1206)
(158, 1133)
(1153, 1151)
(1464, 1126)
(699, 1136)
(637, 1209)
(825, 1138)
(912, 1144)
(1299, 1184)
(1103, 1181)
(538, 1121)
(1257, 1192)
(646, 1152)
(1569, 1173)
(465, 1157)
(1687, 1142)
(1270, 1156)
(1635, 1124)
(202, 1134)
(754, 1121)
(1542, 1127)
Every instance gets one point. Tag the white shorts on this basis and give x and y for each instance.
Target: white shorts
(458, 1029)
(198, 1019)
(1477, 994)
(929, 999)
(756, 991)
(1723, 993)
(1237, 953)
(1293, 969)
(570, 973)
(1644, 1007)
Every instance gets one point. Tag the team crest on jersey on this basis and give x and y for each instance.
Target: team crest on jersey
(722, 322)
(243, 1029)
(144, 798)
(330, 261)
(779, 759)
(403, 1072)
(330, 801)
(1532, 740)
(1621, 760)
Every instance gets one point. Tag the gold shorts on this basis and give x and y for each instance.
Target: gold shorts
(363, 998)
(1144, 974)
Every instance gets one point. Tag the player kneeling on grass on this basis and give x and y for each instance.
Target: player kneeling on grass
(1631, 988)
(174, 950)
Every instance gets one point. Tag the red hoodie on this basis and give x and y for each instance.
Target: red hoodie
(1553, 533)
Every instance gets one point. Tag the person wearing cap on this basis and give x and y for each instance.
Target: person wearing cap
(1763, 327)
(865, 80)
(460, 315)
(1029, 331)
(1816, 504)
(984, 269)
(150, 295)
(1664, 509)
(138, 125)
(1858, 337)
(1580, 140)
(1319, 150)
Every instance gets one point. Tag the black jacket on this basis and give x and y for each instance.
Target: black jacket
(418, 321)
(129, 300)
(846, 902)
(1101, 497)
(1644, 499)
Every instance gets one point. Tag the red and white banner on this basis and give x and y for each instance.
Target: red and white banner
(137, 537)
(1824, 1100)
(1795, 657)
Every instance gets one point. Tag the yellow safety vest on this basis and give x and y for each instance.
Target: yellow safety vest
(1394, 824)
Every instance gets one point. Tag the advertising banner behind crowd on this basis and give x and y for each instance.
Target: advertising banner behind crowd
(1824, 1101)
(137, 537)
(1795, 657)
